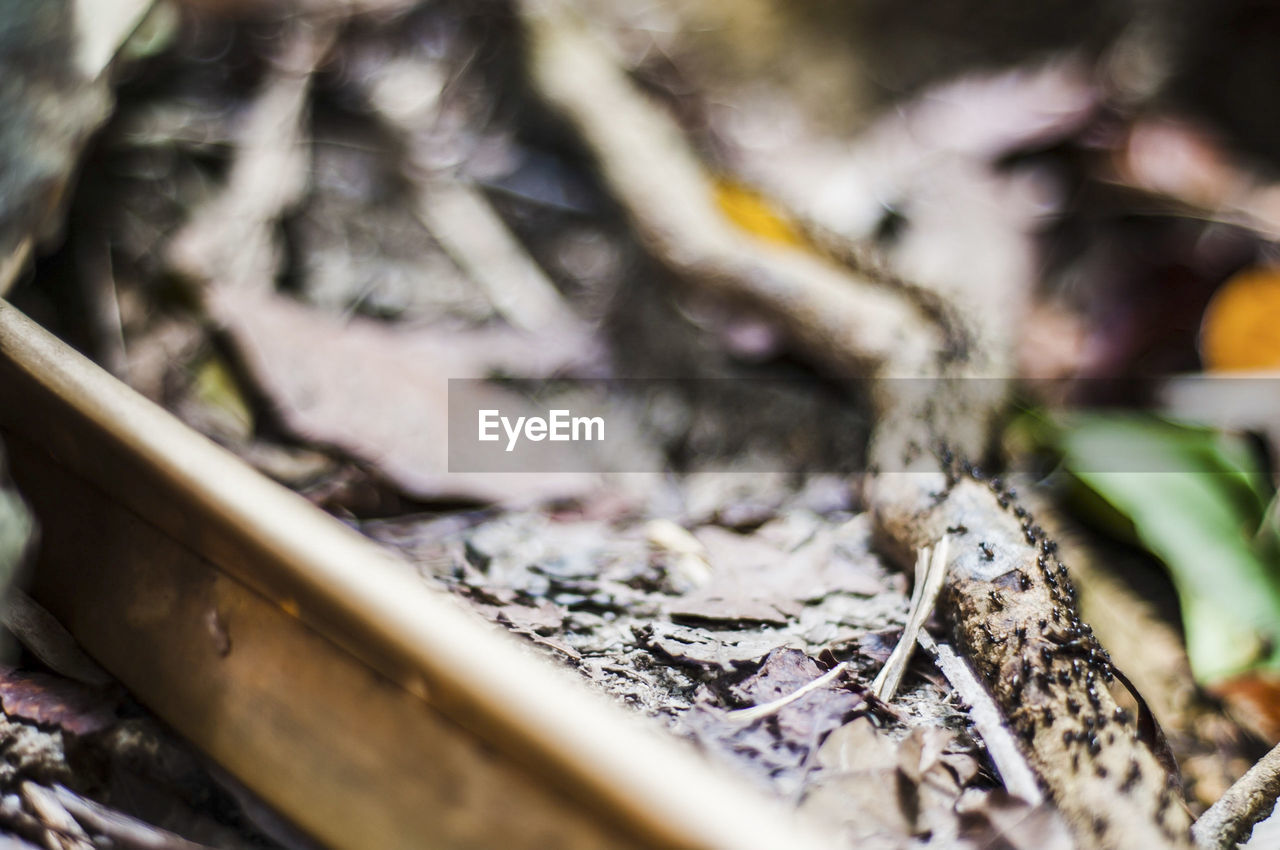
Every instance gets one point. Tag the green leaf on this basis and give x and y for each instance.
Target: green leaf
(1197, 499)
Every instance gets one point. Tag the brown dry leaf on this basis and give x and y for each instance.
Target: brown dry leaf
(54, 701)
(862, 788)
(742, 587)
(764, 577)
(884, 793)
(1254, 699)
(782, 744)
(857, 747)
(381, 392)
(807, 719)
(921, 759)
(996, 819)
(727, 652)
(835, 559)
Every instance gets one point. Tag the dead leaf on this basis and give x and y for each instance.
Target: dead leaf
(995, 819)
(755, 578)
(53, 701)
(781, 744)
(861, 788)
(381, 391)
(697, 646)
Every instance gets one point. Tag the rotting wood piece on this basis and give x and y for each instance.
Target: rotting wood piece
(1011, 608)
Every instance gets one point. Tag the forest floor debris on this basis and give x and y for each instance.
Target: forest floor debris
(344, 287)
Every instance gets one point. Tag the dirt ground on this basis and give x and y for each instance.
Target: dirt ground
(300, 222)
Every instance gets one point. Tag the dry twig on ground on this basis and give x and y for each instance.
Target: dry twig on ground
(1250, 801)
(1007, 597)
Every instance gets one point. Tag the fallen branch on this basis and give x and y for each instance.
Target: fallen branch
(1012, 612)
(1230, 821)
(849, 323)
(1008, 600)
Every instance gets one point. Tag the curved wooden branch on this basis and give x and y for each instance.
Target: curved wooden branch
(1007, 598)
(850, 324)
(1250, 801)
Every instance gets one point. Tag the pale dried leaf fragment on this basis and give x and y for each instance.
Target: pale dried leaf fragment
(683, 555)
(931, 572)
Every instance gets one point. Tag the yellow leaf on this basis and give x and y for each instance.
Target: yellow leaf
(752, 212)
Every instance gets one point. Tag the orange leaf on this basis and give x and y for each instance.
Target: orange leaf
(1254, 701)
(1241, 326)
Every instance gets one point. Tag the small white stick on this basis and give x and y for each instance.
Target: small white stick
(764, 709)
(1018, 777)
(931, 570)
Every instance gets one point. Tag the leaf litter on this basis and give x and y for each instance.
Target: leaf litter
(687, 598)
(340, 297)
(772, 609)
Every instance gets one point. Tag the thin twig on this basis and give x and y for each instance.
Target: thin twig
(764, 709)
(62, 831)
(124, 831)
(931, 570)
(1018, 777)
(1251, 800)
